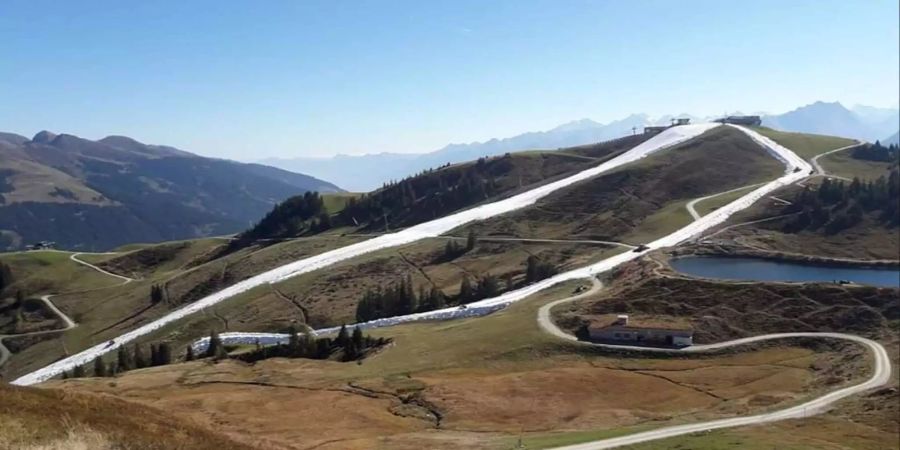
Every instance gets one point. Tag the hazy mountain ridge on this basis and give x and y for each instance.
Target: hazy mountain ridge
(863, 122)
(117, 190)
(367, 172)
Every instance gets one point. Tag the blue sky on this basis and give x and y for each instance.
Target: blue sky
(247, 80)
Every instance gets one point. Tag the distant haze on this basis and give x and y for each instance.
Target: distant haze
(363, 173)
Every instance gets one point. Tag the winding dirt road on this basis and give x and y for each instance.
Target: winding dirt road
(697, 216)
(74, 257)
(544, 241)
(881, 376)
(68, 323)
(818, 168)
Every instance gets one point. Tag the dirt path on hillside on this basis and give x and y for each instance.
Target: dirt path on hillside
(68, 323)
(881, 376)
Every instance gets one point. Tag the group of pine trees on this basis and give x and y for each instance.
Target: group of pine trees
(127, 359)
(877, 152)
(397, 300)
(156, 294)
(350, 346)
(401, 298)
(425, 196)
(214, 348)
(295, 216)
(835, 205)
(537, 270)
(454, 249)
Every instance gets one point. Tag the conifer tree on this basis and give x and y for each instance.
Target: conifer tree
(154, 355)
(78, 371)
(342, 336)
(406, 297)
(488, 287)
(437, 299)
(357, 339)
(99, 367)
(293, 345)
(125, 361)
(220, 352)
(351, 352)
(323, 348)
(471, 240)
(189, 354)
(156, 294)
(466, 293)
(140, 360)
(214, 347)
(308, 346)
(164, 353)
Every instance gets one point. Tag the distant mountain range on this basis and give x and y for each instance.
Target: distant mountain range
(366, 172)
(861, 122)
(95, 195)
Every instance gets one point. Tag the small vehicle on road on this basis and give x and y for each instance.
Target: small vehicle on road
(641, 248)
(110, 343)
(462, 307)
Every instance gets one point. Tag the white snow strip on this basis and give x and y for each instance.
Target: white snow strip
(482, 307)
(667, 138)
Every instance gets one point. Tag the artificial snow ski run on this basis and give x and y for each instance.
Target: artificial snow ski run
(666, 139)
(796, 168)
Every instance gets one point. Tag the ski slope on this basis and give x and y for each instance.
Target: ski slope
(667, 138)
(792, 174)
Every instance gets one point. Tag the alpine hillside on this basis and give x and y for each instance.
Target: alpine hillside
(96, 195)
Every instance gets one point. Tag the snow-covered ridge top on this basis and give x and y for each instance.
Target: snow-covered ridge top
(665, 139)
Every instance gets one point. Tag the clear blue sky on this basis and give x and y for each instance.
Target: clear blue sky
(246, 80)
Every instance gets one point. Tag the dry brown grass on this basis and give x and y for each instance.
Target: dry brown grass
(483, 378)
(36, 419)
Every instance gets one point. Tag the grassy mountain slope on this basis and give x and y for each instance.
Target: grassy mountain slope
(48, 419)
(431, 194)
(645, 200)
(201, 270)
(869, 238)
(117, 190)
(655, 190)
(806, 145)
(475, 383)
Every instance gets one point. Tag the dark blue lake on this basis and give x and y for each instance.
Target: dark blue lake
(758, 269)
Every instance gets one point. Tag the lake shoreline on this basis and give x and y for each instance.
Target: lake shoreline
(752, 269)
(721, 251)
